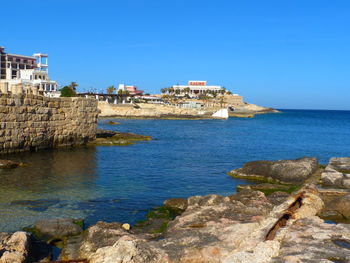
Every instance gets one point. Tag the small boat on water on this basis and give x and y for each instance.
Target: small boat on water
(221, 114)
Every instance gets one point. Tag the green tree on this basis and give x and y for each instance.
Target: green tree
(164, 90)
(68, 91)
(177, 92)
(111, 89)
(73, 85)
(229, 93)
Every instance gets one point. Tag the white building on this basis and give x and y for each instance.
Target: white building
(26, 74)
(195, 88)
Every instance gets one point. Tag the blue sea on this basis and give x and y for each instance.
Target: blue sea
(185, 158)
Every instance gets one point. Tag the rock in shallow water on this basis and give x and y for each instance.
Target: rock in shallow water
(283, 171)
(7, 164)
(58, 228)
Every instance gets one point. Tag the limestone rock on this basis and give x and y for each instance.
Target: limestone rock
(312, 240)
(14, 248)
(284, 171)
(128, 250)
(100, 235)
(337, 173)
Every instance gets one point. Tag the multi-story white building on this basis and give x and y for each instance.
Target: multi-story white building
(195, 88)
(25, 74)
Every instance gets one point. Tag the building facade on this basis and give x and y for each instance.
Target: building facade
(25, 74)
(195, 88)
(132, 90)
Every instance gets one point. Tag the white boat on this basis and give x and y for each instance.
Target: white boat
(222, 114)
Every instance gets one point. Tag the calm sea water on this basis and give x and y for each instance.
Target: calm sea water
(185, 158)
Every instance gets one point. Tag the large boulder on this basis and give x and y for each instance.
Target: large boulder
(283, 171)
(337, 173)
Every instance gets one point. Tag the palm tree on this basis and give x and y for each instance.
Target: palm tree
(111, 89)
(177, 92)
(223, 90)
(187, 90)
(163, 90)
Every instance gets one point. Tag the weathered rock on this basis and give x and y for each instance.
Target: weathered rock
(129, 250)
(283, 171)
(337, 173)
(176, 203)
(7, 164)
(57, 228)
(312, 240)
(213, 229)
(14, 248)
(100, 235)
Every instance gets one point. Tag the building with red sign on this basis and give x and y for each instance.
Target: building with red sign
(195, 88)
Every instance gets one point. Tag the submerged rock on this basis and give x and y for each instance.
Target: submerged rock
(283, 171)
(337, 173)
(113, 138)
(50, 229)
(7, 164)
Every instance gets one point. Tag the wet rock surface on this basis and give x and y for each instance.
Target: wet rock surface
(113, 138)
(283, 171)
(7, 164)
(337, 173)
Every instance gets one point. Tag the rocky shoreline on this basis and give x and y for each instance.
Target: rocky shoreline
(157, 111)
(295, 211)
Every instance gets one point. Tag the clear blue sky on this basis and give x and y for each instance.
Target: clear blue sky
(284, 54)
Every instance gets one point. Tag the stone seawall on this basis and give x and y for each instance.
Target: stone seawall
(30, 122)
